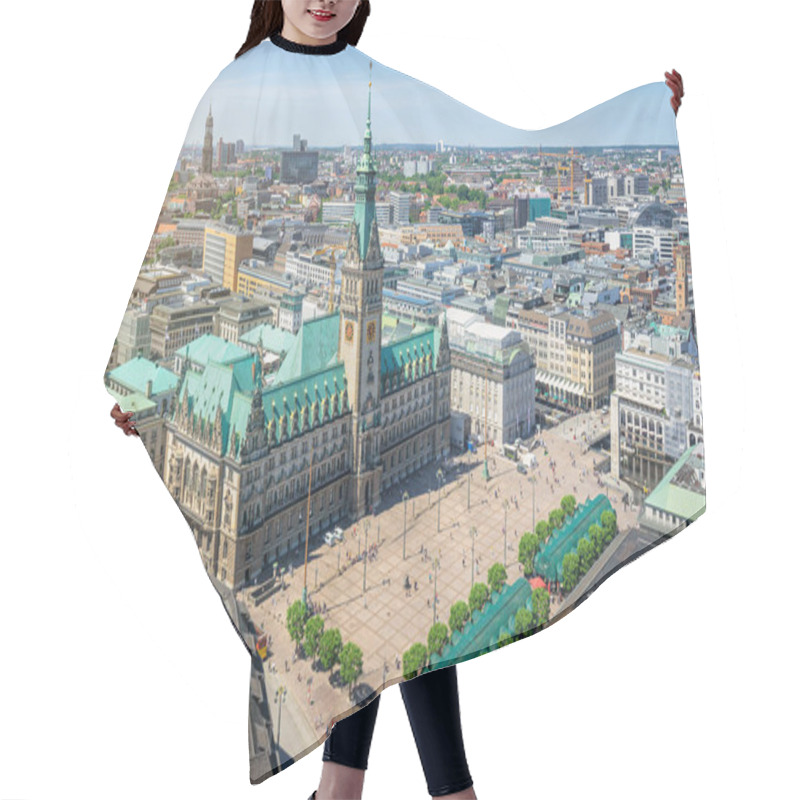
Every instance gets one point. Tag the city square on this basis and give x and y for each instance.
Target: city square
(387, 619)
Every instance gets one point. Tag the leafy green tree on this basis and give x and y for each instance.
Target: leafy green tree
(543, 530)
(608, 519)
(504, 639)
(541, 606)
(497, 576)
(585, 555)
(330, 645)
(478, 596)
(568, 504)
(352, 661)
(523, 620)
(437, 637)
(459, 614)
(168, 241)
(296, 616)
(528, 546)
(596, 540)
(556, 518)
(313, 633)
(570, 567)
(414, 659)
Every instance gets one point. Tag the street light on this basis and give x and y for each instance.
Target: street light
(473, 532)
(280, 699)
(435, 578)
(440, 477)
(366, 534)
(505, 530)
(405, 507)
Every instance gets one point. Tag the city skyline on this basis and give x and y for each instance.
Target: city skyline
(268, 94)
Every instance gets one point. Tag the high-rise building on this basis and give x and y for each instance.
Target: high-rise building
(224, 247)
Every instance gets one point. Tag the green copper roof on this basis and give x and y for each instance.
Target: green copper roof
(290, 398)
(681, 491)
(135, 401)
(314, 348)
(548, 561)
(206, 347)
(483, 631)
(228, 387)
(397, 355)
(364, 211)
(135, 373)
(276, 340)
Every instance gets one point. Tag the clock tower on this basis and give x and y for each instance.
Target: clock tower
(361, 311)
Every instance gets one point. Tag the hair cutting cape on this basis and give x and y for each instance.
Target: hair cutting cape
(418, 381)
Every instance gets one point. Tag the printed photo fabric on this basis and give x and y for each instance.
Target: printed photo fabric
(418, 381)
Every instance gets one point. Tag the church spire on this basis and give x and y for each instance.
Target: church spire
(364, 213)
(208, 144)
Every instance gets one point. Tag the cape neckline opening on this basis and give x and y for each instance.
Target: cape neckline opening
(310, 49)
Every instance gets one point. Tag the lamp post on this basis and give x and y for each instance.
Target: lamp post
(364, 588)
(533, 503)
(486, 427)
(505, 530)
(405, 508)
(440, 478)
(473, 532)
(435, 578)
(280, 699)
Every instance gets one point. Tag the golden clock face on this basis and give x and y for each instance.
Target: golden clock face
(348, 331)
(371, 331)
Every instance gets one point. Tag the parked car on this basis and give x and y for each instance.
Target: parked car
(330, 538)
(521, 468)
(338, 533)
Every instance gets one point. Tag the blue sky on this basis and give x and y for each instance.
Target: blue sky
(269, 93)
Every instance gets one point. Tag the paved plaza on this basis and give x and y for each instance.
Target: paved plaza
(386, 619)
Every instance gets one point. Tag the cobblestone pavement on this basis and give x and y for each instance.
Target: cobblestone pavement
(386, 620)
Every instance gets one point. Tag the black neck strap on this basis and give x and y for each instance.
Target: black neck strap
(311, 49)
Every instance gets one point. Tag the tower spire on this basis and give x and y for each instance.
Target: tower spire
(361, 313)
(368, 132)
(364, 213)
